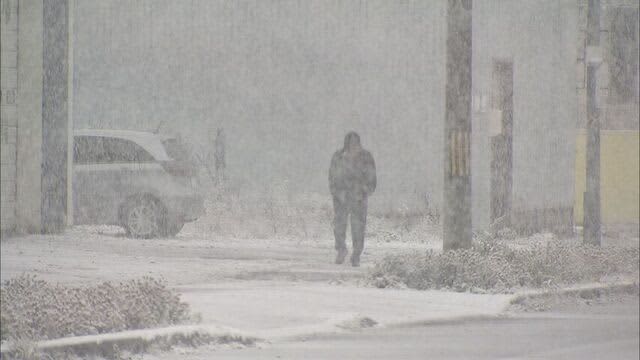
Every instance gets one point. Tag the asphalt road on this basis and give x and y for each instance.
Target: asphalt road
(608, 331)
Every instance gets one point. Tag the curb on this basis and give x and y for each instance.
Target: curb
(443, 321)
(140, 339)
(581, 290)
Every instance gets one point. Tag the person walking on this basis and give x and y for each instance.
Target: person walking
(352, 179)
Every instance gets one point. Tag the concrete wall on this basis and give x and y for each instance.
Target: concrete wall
(30, 116)
(8, 112)
(21, 114)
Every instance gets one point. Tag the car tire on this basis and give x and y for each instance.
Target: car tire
(172, 228)
(143, 217)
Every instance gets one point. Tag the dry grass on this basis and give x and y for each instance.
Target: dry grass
(276, 213)
(492, 266)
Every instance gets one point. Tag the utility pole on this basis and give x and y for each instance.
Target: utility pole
(55, 121)
(457, 128)
(592, 232)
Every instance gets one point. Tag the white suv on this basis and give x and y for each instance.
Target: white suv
(141, 181)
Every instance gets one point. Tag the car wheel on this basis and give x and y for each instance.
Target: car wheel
(142, 217)
(172, 228)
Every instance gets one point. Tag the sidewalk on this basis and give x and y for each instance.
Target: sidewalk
(249, 312)
(272, 310)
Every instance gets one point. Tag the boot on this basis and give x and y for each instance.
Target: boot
(342, 254)
(355, 260)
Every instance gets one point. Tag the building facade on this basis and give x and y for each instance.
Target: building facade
(34, 118)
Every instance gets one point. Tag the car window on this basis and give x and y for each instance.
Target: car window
(106, 150)
(176, 150)
(88, 150)
(125, 151)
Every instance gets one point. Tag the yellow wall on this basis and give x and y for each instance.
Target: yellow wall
(619, 169)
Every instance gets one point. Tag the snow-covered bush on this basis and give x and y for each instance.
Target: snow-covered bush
(37, 310)
(493, 266)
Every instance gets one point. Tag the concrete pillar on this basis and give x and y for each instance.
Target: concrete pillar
(457, 150)
(592, 219)
(29, 124)
(55, 115)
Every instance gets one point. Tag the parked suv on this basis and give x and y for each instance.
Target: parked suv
(141, 181)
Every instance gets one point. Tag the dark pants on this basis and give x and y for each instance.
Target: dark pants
(356, 210)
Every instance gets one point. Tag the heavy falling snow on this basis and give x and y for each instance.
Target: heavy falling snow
(314, 179)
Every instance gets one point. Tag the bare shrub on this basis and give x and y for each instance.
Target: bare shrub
(37, 310)
(493, 266)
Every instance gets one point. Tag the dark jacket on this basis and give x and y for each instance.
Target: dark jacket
(352, 176)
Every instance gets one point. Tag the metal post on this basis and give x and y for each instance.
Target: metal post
(592, 216)
(457, 150)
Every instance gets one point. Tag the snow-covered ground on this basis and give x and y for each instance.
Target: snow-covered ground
(90, 254)
(201, 254)
(272, 286)
(264, 236)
